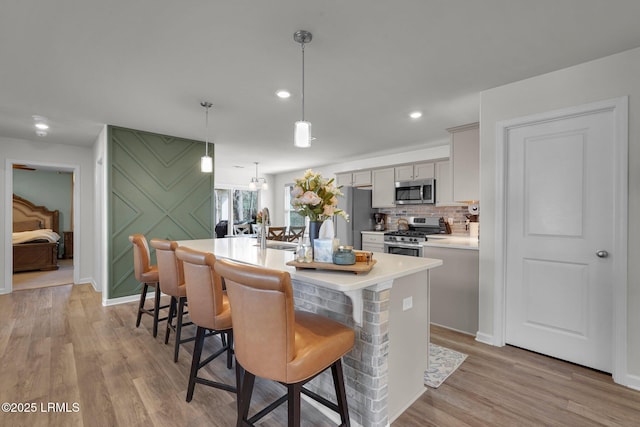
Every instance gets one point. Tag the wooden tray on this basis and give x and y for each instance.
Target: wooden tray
(358, 267)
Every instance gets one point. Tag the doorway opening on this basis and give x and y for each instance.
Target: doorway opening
(52, 186)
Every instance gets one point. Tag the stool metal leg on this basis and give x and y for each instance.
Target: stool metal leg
(143, 297)
(176, 349)
(156, 310)
(341, 395)
(172, 311)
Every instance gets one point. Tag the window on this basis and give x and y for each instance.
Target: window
(291, 216)
(233, 207)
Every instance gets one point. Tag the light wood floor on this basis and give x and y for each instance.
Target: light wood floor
(60, 345)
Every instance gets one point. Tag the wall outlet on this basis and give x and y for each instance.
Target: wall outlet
(407, 303)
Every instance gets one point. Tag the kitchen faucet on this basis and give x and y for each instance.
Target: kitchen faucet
(265, 228)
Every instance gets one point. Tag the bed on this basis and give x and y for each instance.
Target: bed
(35, 236)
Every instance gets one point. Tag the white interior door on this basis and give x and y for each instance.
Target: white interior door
(559, 230)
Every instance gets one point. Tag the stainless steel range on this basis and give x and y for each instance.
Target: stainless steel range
(409, 242)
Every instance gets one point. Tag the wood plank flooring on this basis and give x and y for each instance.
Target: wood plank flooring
(60, 345)
(509, 386)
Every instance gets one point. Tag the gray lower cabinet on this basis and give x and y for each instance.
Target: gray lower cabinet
(454, 289)
(372, 242)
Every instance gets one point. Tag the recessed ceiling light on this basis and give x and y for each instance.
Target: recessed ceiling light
(415, 114)
(284, 94)
(42, 126)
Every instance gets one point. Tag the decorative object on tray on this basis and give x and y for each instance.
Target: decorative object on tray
(316, 198)
(364, 262)
(325, 245)
(344, 256)
(357, 268)
(442, 363)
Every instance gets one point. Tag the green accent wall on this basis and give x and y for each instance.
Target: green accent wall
(155, 188)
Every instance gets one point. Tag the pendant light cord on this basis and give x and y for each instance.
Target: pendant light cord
(206, 135)
(302, 81)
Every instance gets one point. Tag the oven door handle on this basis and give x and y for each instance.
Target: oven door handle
(402, 245)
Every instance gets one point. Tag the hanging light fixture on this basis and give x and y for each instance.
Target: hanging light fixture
(206, 162)
(255, 181)
(302, 128)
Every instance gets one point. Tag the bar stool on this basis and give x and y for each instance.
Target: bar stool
(171, 274)
(146, 274)
(209, 310)
(275, 342)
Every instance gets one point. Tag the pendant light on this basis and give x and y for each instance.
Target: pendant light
(302, 128)
(253, 185)
(206, 162)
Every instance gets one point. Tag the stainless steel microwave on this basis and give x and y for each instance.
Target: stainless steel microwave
(416, 192)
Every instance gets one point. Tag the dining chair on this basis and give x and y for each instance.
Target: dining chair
(295, 233)
(241, 229)
(147, 275)
(277, 233)
(171, 275)
(209, 309)
(275, 342)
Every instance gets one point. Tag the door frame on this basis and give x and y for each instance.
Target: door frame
(619, 108)
(8, 259)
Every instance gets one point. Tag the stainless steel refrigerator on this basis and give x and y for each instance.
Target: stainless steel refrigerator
(357, 203)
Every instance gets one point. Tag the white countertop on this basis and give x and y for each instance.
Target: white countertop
(451, 241)
(373, 232)
(245, 250)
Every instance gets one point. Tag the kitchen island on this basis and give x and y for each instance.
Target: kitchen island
(388, 307)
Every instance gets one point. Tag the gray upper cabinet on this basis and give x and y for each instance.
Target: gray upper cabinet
(415, 171)
(383, 192)
(354, 179)
(444, 189)
(465, 162)
(343, 180)
(361, 178)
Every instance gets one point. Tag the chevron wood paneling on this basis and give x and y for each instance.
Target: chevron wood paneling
(155, 188)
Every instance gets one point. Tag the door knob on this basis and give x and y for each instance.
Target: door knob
(602, 254)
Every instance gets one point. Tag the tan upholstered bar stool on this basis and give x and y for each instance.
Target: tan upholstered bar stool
(146, 274)
(209, 310)
(275, 342)
(171, 275)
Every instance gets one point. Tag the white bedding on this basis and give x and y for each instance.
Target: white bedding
(42, 234)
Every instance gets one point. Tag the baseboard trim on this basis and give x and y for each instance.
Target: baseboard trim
(484, 338)
(453, 329)
(633, 381)
(130, 298)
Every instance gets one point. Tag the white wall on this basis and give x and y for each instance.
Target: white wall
(58, 155)
(226, 177)
(605, 78)
(433, 150)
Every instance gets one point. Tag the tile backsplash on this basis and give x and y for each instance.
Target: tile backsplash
(458, 213)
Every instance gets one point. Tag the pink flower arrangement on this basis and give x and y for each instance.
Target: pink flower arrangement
(316, 197)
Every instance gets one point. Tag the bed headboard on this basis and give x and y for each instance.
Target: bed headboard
(24, 211)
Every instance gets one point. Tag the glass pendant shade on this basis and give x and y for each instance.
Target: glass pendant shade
(302, 134)
(206, 164)
(252, 186)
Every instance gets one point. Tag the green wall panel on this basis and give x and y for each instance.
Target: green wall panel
(155, 188)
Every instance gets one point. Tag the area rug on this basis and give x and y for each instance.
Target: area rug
(442, 363)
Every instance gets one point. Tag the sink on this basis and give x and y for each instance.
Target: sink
(280, 247)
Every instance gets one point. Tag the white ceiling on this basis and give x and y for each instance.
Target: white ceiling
(147, 64)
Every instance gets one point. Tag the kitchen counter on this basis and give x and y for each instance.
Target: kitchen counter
(451, 241)
(388, 308)
(373, 232)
